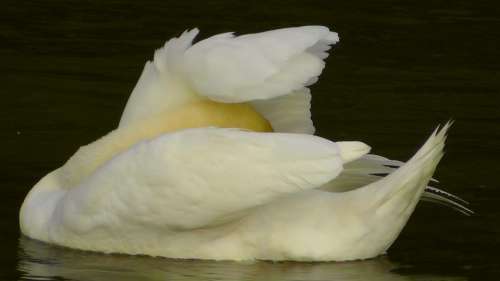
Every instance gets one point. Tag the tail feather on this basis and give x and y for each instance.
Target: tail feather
(398, 193)
(441, 197)
(411, 182)
(389, 202)
(370, 168)
(444, 194)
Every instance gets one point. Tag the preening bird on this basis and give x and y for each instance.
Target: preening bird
(215, 158)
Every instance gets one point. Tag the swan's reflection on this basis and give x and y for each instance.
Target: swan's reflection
(40, 261)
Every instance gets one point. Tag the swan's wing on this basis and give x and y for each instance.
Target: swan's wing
(160, 88)
(265, 65)
(270, 69)
(290, 113)
(198, 177)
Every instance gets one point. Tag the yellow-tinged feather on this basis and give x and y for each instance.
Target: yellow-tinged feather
(204, 113)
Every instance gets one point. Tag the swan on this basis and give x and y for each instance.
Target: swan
(215, 157)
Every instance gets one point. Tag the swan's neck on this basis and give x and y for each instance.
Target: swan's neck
(201, 113)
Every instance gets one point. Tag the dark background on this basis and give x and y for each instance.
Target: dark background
(401, 67)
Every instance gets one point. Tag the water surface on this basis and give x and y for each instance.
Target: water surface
(42, 261)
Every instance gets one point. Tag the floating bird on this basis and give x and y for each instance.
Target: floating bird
(215, 158)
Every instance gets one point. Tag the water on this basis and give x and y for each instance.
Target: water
(42, 261)
(400, 69)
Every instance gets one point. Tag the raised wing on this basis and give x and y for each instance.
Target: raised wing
(288, 114)
(257, 66)
(270, 69)
(160, 87)
(197, 177)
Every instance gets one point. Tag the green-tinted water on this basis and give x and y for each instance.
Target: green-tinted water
(400, 69)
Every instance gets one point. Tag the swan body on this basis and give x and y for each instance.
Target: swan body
(215, 158)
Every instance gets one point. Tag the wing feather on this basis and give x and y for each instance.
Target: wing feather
(288, 114)
(160, 87)
(258, 66)
(198, 177)
(270, 69)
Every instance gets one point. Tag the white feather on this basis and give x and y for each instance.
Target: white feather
(160, 87)
(196, 178)
(217, 193)
(290, 113)
(257, 66)
(245, 68)
(370, 168)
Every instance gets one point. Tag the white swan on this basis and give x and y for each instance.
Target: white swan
(175, 180)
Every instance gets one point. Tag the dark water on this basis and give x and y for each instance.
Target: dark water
(401, 68)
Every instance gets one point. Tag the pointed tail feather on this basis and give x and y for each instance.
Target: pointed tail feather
(438, 196)
(370, 168)
(398, 193)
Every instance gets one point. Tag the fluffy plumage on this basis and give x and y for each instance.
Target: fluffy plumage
(214, 158)
(256, 68)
